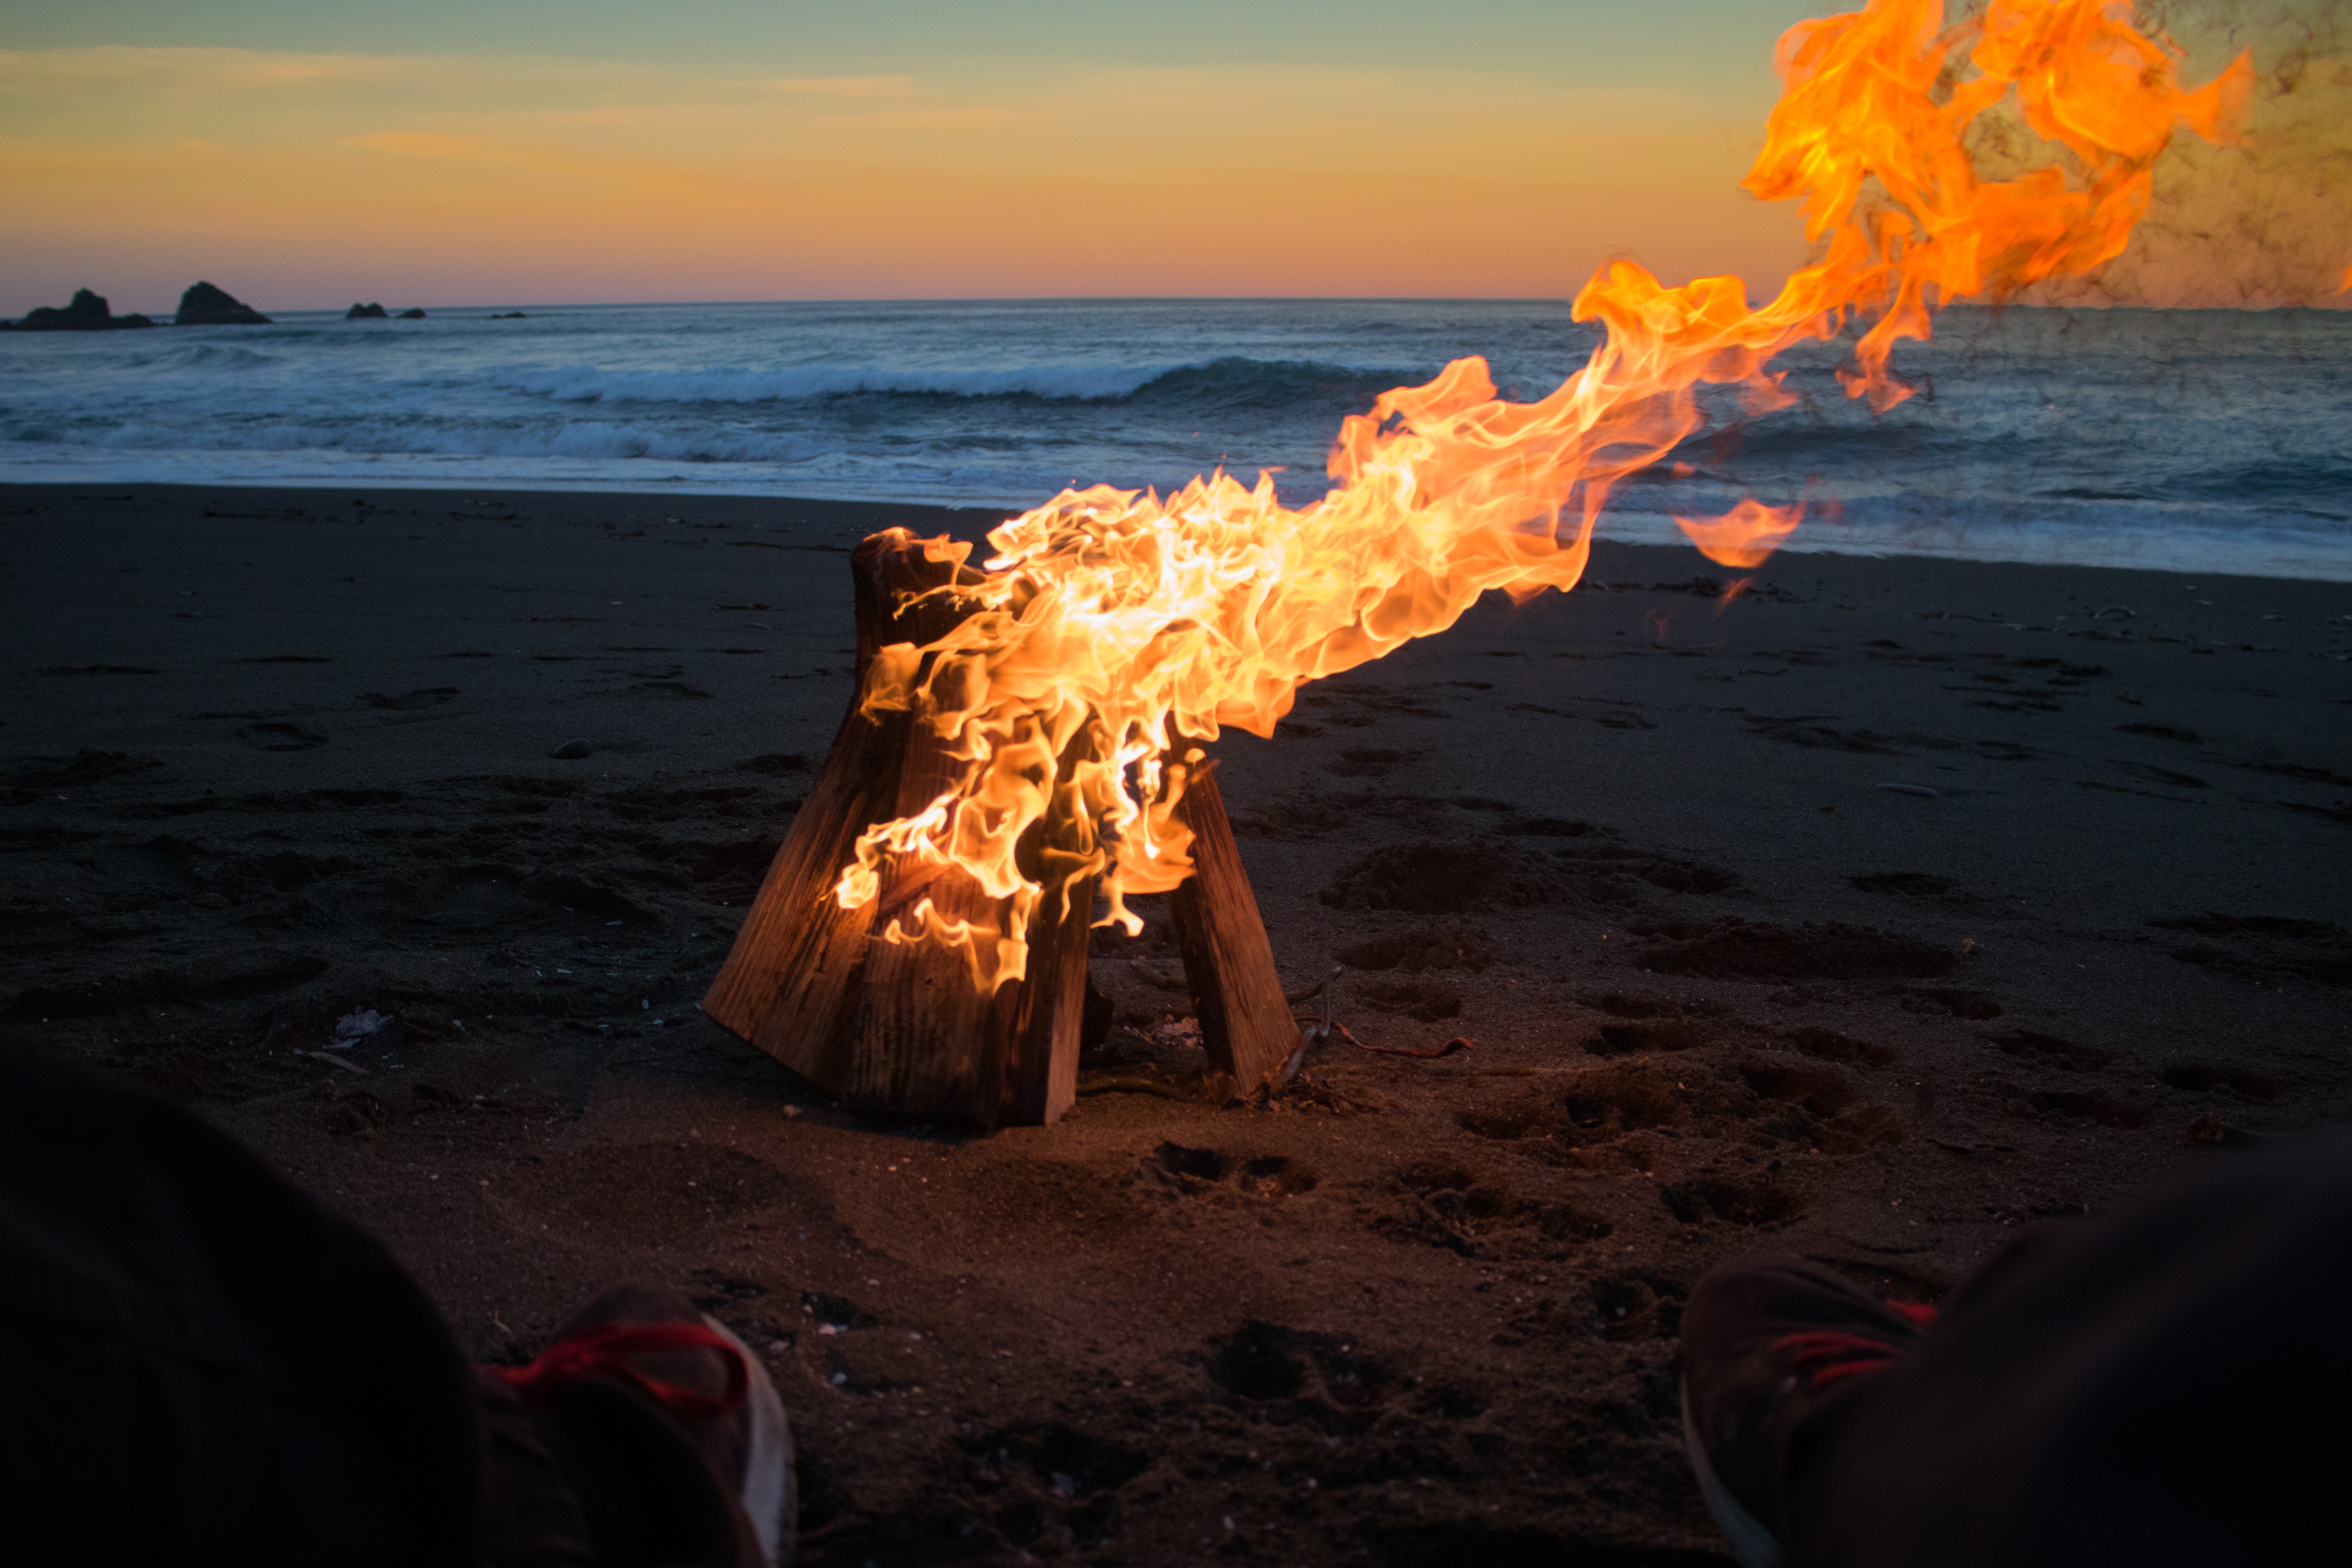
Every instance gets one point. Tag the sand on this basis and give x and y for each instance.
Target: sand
(273, 757)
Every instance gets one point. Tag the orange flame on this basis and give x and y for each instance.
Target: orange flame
(1745, 536)
(1115, 623)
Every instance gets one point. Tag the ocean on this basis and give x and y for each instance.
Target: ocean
(2205, 441)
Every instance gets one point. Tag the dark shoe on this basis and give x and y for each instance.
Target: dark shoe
(1776, 1352)
(668, 1432)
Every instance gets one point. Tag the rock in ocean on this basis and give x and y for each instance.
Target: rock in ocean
(86, 314)
(413, 314)
(206, 306)
(365, 313)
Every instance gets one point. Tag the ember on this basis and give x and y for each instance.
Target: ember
(1061, 691)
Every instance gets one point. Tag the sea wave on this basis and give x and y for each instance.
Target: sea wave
(207, 356)
(1239, 385)
(591, 438)
(2271, 483)
(2055, 462)
(2137, 437)
(597, 383)
(1234, 382)
(2150, 537)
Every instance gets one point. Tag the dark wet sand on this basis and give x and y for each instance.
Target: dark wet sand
(267, 767)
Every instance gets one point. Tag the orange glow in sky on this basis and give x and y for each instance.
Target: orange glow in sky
(313, 179)
(1493, 157)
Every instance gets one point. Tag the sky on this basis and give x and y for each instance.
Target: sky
(309, 154)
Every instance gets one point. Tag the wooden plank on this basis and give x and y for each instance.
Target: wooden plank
(1246, 1026)
(901, 1027)
(1040, 1068)
(1040, 1077)
(789, 985)
(925, 1040)
(922, 1040)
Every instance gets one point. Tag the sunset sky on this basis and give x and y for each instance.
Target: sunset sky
(306, 155)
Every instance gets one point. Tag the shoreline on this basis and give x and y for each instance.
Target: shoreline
(1655, 528)
(290, 762)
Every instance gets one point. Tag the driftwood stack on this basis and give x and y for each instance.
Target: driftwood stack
(899, 1027)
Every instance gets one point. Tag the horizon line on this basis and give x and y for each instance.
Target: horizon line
(162, 317)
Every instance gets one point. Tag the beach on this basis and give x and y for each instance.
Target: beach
(1874, 912)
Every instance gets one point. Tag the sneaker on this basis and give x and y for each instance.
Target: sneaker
(669, 1431)
(1776, 1354)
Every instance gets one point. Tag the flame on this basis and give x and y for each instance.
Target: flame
(1745, 536)
(1116, 626)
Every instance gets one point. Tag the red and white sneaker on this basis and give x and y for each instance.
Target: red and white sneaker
(668, 1432)
(1776, 1352)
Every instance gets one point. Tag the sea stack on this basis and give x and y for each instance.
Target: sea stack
(206, 306)
(365, 313)
(88, 313)
(413, 314)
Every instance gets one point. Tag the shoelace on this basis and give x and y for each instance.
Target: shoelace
(1832, 1354)
(603, 1353)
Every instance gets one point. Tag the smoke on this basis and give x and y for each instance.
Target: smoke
(2268, 222)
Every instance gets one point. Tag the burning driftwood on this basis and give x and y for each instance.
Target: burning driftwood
(901, 1026)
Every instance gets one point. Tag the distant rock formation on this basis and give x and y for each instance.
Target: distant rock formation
(413, 314)
(508, 316)
(86, 314)
(206, 306)
(365, 313)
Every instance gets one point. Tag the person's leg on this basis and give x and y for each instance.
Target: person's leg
(199, 1363)
(2164, 1385)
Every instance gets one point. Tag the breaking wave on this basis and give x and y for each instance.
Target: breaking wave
(1232, 381)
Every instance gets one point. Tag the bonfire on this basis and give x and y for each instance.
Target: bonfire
(1028, 736)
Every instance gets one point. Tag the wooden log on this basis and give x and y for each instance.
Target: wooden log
(789, 985)
(926, 1040)
(1041, 1069)
(1041, 1080)
(890, 1026)
(901, 1027)
(1246, 1026)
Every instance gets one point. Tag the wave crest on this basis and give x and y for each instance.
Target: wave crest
(1232, 381)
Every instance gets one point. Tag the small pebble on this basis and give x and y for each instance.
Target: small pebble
(572, 751)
